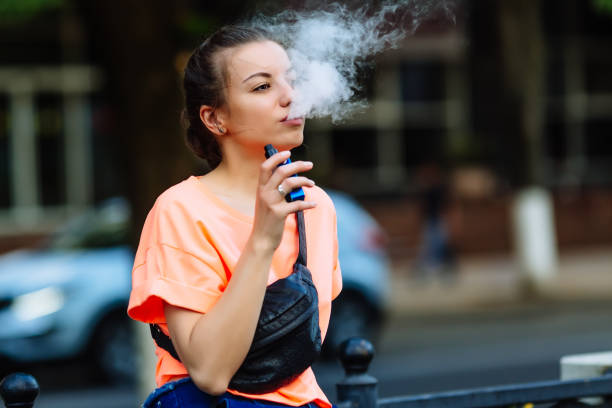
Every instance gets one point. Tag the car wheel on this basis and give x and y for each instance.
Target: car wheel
(352, 316)
(114, 352)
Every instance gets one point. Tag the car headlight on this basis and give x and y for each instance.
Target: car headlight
(38, 303)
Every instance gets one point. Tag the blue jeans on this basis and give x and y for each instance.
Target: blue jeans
(184, 394)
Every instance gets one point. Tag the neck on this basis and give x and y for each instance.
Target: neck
(237, 175)
(240, 177)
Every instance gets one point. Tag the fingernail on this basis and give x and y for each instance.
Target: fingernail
(311, 182)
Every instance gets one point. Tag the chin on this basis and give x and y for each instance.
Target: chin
(290, 141)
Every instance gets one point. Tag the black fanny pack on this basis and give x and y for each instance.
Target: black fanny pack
(287, 339)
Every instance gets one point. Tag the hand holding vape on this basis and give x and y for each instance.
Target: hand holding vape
(295, 194)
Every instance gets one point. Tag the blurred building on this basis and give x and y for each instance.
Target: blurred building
(53, 156)
(447, 96)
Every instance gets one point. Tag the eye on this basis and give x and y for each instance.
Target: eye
(261, 87)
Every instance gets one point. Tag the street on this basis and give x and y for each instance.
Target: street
(436, 353)
(422, 353)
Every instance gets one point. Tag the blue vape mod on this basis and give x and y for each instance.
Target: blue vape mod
(296, 194)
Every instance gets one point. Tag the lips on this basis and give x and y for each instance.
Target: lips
(292, 122)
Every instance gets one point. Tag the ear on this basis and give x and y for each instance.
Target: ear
(213, 120)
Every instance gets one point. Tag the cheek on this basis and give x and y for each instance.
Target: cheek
(254, 111)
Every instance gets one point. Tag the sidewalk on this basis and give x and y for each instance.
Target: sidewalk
(483, 282)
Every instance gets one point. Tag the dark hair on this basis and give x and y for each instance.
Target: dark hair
(204, 83)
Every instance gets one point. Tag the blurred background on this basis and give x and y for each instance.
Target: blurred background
(477, 183)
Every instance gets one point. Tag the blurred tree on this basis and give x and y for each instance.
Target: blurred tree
(17, 11)
(507, 60)
(603, 5)
(140, 46)
(137, 44)
(523, 57)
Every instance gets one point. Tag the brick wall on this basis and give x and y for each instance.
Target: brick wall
(485, 225)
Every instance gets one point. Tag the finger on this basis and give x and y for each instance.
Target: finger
(291, 183)
(299, 205)
(271, 164)
(288, 170)
(283, 208)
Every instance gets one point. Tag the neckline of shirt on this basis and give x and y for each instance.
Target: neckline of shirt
(219, 202)
(290, 222)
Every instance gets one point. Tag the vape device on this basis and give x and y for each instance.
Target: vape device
(296, 194)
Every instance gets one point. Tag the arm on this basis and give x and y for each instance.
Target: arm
(213, 345)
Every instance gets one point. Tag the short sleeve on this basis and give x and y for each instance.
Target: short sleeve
(174, 264)
(173, 276)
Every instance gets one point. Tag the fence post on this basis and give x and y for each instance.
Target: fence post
(19, 390)
(357, 389)
(587, 365)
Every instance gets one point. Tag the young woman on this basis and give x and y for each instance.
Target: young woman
(212, 244)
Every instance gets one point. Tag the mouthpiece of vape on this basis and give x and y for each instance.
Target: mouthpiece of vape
(270, 150)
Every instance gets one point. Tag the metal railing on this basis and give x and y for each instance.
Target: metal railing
(19, 390)
(360, 390)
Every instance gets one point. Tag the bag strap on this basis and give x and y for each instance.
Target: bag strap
(163, 341)
(301, 258)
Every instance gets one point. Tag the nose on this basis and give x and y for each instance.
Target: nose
(286, 94)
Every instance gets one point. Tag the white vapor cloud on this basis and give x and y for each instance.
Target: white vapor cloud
(328, 46)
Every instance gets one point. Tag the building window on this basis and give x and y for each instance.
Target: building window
(598, 136)
(354, 148)
(5, 195)
(555, 140)
(422, 81)
(45, 144)
(50, 154)
(422, 144)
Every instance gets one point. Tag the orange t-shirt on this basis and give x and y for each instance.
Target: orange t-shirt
(189, 246)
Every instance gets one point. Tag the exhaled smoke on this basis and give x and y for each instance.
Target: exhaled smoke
(327, 48)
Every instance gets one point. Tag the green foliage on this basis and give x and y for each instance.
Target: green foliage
(603, 5)
(18, 11)
(197, 25)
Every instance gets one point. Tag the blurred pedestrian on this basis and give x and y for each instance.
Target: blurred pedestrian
(436, 255)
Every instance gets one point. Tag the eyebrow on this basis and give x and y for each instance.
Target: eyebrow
(263, 74)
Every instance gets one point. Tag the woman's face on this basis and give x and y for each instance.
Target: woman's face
(258, 97)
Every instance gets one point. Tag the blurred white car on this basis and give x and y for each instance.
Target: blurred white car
(361, 306)
(68, 298)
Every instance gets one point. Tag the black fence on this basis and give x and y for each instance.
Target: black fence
(360, 390)
(19, 390)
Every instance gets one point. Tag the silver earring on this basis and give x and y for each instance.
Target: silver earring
(221, 129)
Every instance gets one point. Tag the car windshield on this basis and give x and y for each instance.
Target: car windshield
(103, 226)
